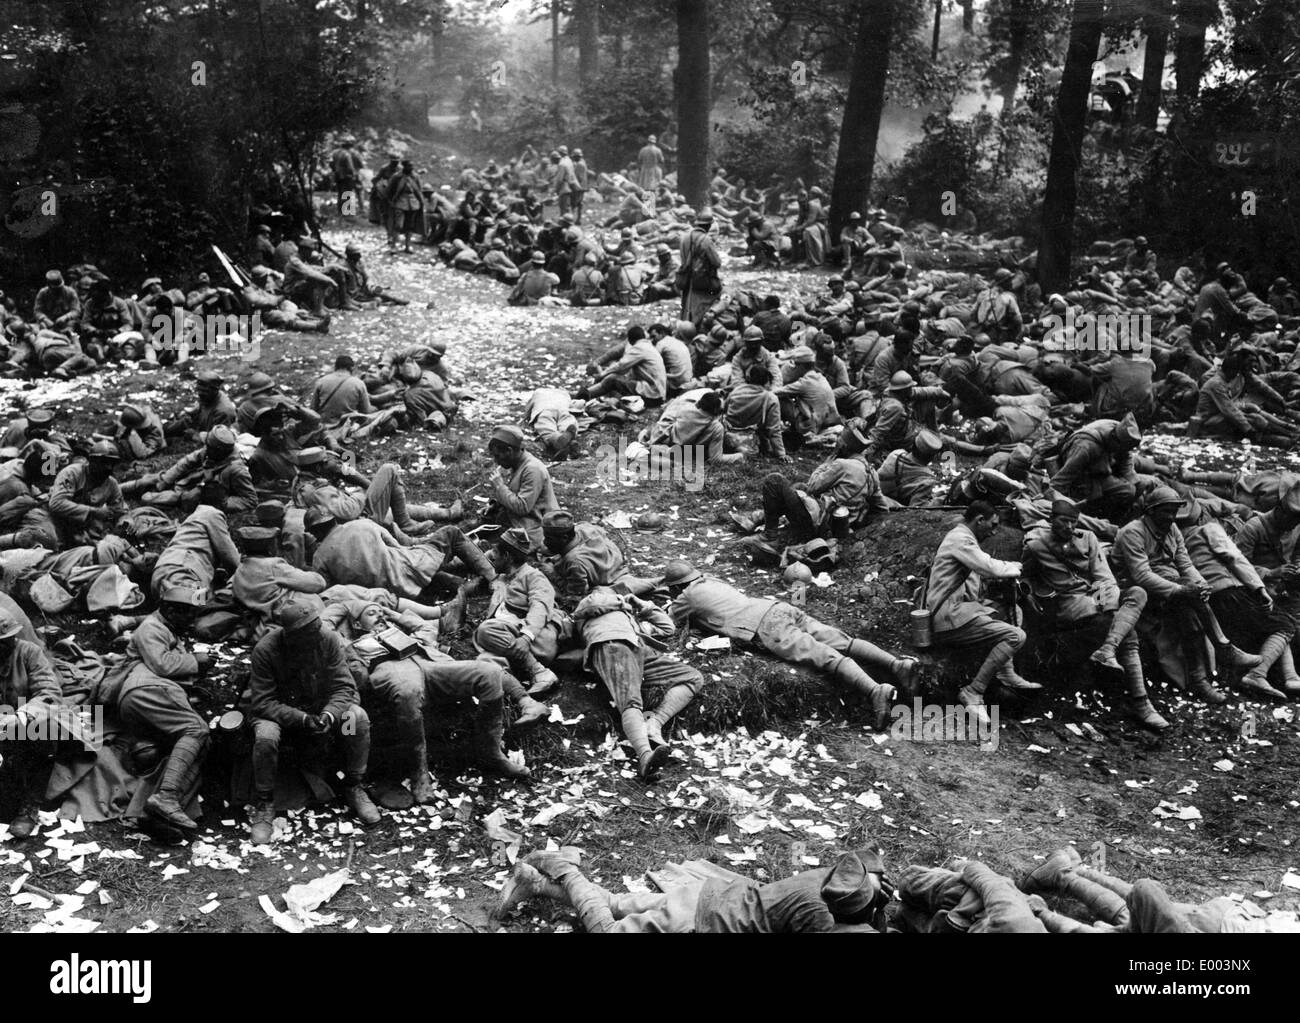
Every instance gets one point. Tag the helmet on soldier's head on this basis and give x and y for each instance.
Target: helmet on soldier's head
(678, 572)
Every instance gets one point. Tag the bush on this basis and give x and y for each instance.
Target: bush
(793, 132)
(992, 168)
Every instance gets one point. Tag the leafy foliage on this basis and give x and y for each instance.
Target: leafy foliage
(214, 108)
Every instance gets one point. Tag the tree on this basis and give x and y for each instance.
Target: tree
(1155, 26)
(1022, 34)
(855, 163)
(586, 15)
(1194, 17)
(693, 100)
(1060, 197)
(967, 15)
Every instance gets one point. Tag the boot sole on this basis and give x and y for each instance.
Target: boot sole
(1264, 692)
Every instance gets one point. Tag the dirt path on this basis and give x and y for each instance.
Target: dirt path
(1203, 809)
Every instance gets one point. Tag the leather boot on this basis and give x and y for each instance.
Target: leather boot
(1047, 875)
(262, 818)
(361, 805)
(452, 615)
(1286, 668)
(882, 696)
(488, 742)
(1198, 681)
(1008, 679)
(1122, 623)
(542, 678)
(1060, 873)
(591, 902)
(1058, 923)
(531, 711)
(24, 824)
(178, 778)
(421, 783)
(1199, 685)
(1255, 681)
(649, 759)
(525, 882)
(1238, 658)
(1115, 884)
(972, 694)
(1137, 701)
(476, 560)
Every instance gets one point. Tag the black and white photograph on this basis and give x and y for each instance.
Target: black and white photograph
(504, 467)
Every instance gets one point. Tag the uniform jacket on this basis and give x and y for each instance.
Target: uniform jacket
(959, 568)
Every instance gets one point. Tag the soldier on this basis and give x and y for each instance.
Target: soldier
(961, 616)
(214, 407)
(86, 499)
(57, 306)
(784, 631)
(523, 624)
(149, 695)
(1150, 553)
(753, 352)
(406, 684)
(264, 582)
(30, 697)
(844, 481)
(303, 692)
(1240, 601)
(1068, 565)
(215, 475)
(585, 557)
(621, 633)
(752, 420)
(895, 424)
(807, 401)
(521, 494)
(906, 475)
(1097, 467)
(841, 898)
(24, 519)
(200, 547)
(556, 427)
(361, 552)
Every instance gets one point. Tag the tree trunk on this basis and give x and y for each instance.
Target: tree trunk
(618, 49)
(938, 21)
(438, 32)
(1061, 194)
(693, 100)
(1156, 27)
(1189, 46)
(555, 42)
(1016, 62)
(587, 15)
(856, 159)
(967, 15)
